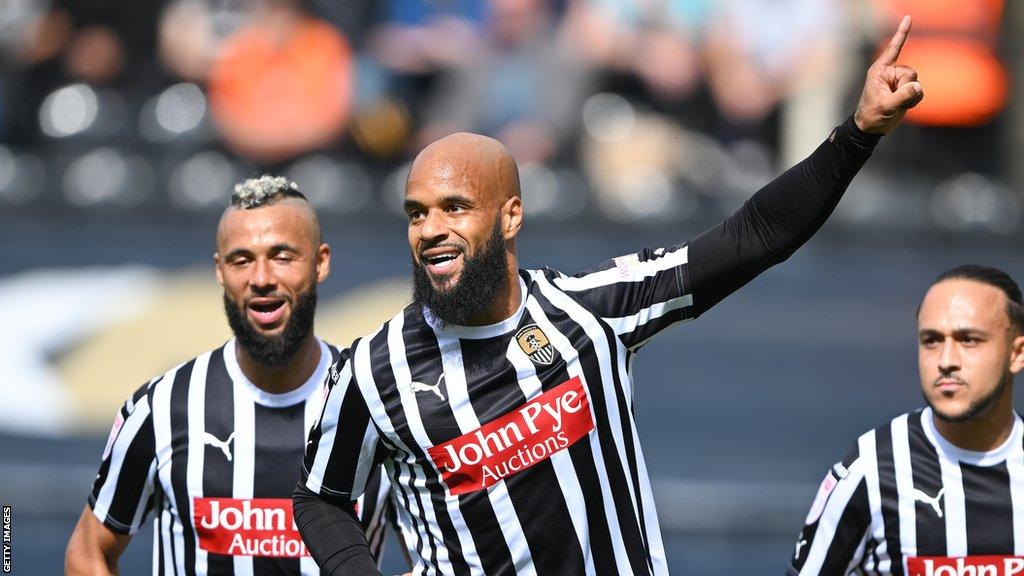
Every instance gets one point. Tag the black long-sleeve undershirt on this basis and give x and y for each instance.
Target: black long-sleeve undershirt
(777, 219)
(333, 535)
(769, 227)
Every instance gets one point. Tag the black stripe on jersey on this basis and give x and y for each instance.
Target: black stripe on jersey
(635, 544)
(628, 298)
(422, 353)
(384, 379)
(218, 472)
(889, 497)
(855, 519)
(280, 434)
(927, 472)
(989, 518)
(490, 403)
(179, 461)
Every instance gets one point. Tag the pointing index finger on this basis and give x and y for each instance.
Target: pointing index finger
(892, 51)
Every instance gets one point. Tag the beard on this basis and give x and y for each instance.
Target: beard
(274, 350)
(976, 408)
(481, 278)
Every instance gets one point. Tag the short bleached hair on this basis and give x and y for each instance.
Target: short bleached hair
(264, 190)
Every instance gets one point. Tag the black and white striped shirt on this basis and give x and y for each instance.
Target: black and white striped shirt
(511, 448)
(906, 501)
(215, 460)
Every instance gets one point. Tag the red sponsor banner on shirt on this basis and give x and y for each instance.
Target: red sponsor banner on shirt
(247, 527)
(518, 440)
(965, 566)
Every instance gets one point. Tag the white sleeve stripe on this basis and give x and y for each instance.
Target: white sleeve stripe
(625, 324)
(830, 518)
(129, 430)
(328, 428)
(637, 272)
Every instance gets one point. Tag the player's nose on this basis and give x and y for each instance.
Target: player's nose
(949, 357)
(262, 275)
(433, 227)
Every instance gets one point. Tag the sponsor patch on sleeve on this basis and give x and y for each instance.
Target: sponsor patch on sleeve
(625, 265)
(824, 491)
(114, 430)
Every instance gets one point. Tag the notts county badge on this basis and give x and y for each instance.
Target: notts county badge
(535, 344)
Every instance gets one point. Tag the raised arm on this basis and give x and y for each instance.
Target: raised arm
(784, 214)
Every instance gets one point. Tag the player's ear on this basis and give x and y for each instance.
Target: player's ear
(511, 217)
(216, 268)
(323, 261)
(1017, 355)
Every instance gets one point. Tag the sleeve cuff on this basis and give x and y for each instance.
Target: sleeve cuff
(112, 524)
(849, 133)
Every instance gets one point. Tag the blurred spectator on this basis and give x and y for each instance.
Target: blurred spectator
(192, 32)
(282, 84)
(521, 86)
(413, 43)
(657, 42)
(55, 42)
(758, 51)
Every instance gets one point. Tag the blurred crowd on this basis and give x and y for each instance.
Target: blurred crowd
(645, 109)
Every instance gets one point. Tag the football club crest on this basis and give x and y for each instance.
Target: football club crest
(535, 344)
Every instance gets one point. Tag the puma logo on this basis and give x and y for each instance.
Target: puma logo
(920, 496)
(799, 545)
(436, 388)
(225, 446)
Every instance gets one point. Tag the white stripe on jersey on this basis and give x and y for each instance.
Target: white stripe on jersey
(637, 271)
(1015, 467)
(196, 446)
(243, 463)
(465, 416)
(565, 472)
(955, 508)
(904, 485)
(569, 353)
